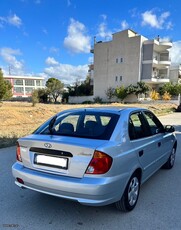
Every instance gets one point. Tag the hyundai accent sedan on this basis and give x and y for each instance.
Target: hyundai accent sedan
(96, 156)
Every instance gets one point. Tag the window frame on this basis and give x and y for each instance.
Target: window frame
(147, 131)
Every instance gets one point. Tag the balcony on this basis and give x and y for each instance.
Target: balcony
(158, 80)
(159, 46)
(161, 63)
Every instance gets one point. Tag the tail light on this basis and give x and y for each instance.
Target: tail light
(99, 164)
(18, 152)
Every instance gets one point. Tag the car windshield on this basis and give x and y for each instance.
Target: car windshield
(85, 124)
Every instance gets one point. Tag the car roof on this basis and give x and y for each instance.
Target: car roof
(109, 109)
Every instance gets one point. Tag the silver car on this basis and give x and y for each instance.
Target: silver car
(96, 156)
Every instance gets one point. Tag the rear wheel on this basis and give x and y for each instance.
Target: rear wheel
(130, 196)
(171, 160)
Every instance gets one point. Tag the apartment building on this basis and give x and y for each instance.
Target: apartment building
(129, 58)
(22, 86)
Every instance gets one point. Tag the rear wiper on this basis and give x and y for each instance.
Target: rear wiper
(51, 124)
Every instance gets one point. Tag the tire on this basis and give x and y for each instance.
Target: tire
(171, 160)
(130, 195)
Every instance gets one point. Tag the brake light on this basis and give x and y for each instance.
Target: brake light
(99, 164)
(18, 152)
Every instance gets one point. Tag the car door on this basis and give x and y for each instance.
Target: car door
(161, 138)
(145, 144)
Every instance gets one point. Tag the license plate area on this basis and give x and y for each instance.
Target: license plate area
(51, 161)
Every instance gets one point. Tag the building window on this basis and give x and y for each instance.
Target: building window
(38, 82)
(29, 82)
(18, 82)
(29, 89)
(18, 90)
(120, 78)
(116, 78)
(119, 60)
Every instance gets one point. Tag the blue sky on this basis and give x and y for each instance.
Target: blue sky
(52, 38)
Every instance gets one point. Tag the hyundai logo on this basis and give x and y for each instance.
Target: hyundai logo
(48, 145)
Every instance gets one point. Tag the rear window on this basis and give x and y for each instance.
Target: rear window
(85, 124)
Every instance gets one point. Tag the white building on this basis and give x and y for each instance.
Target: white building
(22, 86)
(129, 58)
(175, 73)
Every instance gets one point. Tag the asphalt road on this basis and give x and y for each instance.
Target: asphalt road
(158, 206)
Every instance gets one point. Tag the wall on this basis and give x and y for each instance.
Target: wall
(80, 99)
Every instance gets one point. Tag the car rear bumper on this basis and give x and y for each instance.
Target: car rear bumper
(94, 191)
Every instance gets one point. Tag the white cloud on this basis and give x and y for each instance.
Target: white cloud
(9, 56)
(158, 22)
(175, 53)
(51, 61)
(64, 72)
(11, 20)
(14, 20)
(103, 31)
(124, 25)
(77, 41)
(90, 60)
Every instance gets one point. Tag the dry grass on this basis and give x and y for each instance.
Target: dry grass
(20, 118)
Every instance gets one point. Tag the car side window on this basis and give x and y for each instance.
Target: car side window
(153, 122)
(136, 127)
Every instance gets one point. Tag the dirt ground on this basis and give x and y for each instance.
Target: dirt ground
(20, 118)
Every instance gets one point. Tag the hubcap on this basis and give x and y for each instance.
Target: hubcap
(172, 157)
(133, 191)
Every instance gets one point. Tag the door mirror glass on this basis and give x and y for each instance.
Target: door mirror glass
(169, 129)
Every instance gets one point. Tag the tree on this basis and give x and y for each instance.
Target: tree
(130, 89)
(110, 93)
(171, 88)
(34, 97)
(121, 93)
(8, 90)
(2, 85)
(141, 88)
(5, 88)
(55, 88)
(83, 89)
(42, 95)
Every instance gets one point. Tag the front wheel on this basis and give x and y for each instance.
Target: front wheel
(130, 196)
(171, 160)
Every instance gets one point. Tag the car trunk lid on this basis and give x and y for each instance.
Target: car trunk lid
(58, 154)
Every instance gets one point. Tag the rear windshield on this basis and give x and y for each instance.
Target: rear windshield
(94, 125)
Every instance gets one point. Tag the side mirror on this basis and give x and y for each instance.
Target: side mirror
(169, 129)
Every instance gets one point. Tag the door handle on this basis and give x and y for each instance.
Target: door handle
(141, 153)
(159, 144)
